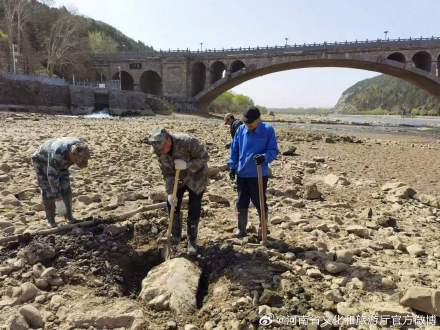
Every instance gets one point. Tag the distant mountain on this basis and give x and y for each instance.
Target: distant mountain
(386, 95)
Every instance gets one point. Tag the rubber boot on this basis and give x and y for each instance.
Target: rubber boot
(192, 229)
(176, 230)
(49, 208)
(242, 220)
(67, 198)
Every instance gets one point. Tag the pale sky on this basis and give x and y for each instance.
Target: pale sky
(180, 24)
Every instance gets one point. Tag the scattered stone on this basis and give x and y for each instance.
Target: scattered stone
(344, 256)
(158, 196)
(271, 298)
(311, 192)
(172, 285)
(388, 283)
(36, 252)
(422, 299)
(415, 250)
(218, 199)
(17, 322)
(334, 180)
(314, 273)
(334, 267)
(28, 292)
(429, 200)
(32, 316)
(359, 231)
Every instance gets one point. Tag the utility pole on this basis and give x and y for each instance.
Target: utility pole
(386, 34)
(14, 59)
(201, 45)
(287, 39)
(120, 81)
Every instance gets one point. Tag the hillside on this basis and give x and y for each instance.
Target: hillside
(57, 41)
(386, 95)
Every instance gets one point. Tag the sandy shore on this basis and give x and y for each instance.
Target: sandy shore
(308, 232)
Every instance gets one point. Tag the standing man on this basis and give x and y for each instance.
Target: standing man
(183, 152)
(254, 143)
(233, 123)
(51, 163)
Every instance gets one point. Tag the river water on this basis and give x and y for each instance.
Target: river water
(351, 124)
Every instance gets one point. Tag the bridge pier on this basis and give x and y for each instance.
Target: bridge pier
(186, 106)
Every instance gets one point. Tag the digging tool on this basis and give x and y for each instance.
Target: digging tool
(167, 249)
(263, 224)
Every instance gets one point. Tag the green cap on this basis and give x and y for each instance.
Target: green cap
(158, 135)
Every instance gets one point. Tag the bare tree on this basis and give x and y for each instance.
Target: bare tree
(62, 44)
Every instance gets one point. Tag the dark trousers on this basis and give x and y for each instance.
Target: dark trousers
(194, 210)
(247, 189)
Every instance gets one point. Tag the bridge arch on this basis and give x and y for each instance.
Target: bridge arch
(425, 80)
(396, 56)
(422, 60)
(198, 78)
(237, 66)
(151, 83)
(127, 81)
(218, 70)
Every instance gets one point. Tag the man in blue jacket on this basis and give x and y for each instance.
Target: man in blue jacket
(254, 143)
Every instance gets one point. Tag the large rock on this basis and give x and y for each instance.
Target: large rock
(422, 299)
(104, 315)
(172, 285)
(32, 316)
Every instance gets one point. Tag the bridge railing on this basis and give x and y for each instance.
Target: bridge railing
(261, 49)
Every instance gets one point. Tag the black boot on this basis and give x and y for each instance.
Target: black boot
(49, 207)
(192, 229)
(67, 198)
(242, 220)
(176, 230)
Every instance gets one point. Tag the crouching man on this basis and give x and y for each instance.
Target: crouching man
(51, 162)
(183, 152)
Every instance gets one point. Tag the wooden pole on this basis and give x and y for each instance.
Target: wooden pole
(171, 216)
(263, 225)
(63, 228)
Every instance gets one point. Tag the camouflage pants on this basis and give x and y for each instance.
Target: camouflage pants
(49, 198)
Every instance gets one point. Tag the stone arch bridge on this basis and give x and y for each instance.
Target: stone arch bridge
(192, 79)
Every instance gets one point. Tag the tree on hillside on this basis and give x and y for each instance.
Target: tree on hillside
(62, 43)
(16, 14)
(99, 42)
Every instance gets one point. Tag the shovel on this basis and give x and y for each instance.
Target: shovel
(167, 250)
(263, 224)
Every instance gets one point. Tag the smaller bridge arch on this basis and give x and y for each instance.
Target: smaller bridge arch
(151, 82)
(397, 56)
(127, 81)
(237, 66)
(198, 78)
(218, 70)
(422, 60)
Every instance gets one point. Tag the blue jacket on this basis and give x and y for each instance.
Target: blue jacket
(246, 144)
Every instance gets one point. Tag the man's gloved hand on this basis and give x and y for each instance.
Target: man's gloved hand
(170, 200)
(180, 164)
(227, 146)
(232, 175)
(60, 207)
(259, 159)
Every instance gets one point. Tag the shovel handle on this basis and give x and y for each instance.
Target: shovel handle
(263, 224)
(173, 208)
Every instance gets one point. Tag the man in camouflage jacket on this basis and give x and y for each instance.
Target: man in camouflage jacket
(181, 151)
(51, 162)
